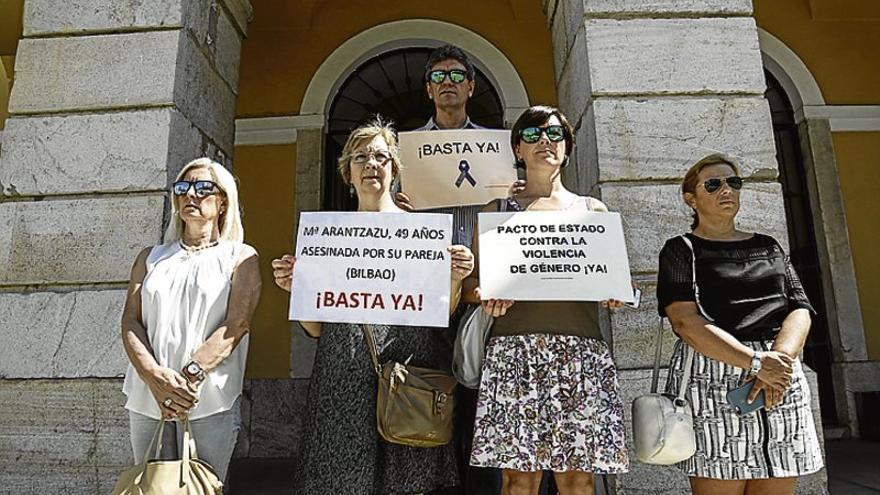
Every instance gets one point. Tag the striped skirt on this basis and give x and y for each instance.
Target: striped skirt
(764, 444)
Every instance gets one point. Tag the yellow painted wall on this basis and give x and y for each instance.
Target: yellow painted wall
(266, 182)
(5, 87)
(840, 51)
(10, 25)
(838, 41)
(857, 161)
(288, 41)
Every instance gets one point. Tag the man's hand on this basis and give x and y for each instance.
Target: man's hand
(403, 202)
(517, 187)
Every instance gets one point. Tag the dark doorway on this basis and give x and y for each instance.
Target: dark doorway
(392, 85)
(802, 239)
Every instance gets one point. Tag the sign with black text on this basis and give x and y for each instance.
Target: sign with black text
(553, 256)
(390, 268)
(455, 167)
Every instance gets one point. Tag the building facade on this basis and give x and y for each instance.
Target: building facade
(102, 102)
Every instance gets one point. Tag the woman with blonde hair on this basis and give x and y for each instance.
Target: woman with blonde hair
(186, 320)
(734, 297)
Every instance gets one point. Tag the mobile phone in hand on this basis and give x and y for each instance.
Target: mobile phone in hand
(738, 399)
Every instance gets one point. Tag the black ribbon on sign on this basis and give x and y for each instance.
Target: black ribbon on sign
(464, 167)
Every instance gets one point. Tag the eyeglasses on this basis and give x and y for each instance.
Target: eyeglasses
(379, 157)
(554, 133)
(457, 76)
(203, 188)
(714, 183)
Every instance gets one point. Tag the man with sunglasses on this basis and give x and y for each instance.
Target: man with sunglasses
(449, 82)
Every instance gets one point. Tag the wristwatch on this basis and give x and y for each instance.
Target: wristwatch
(193, 372)
(755, 366)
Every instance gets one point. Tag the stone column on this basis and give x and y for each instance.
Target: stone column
(309, 193)
(652, 87)
(110, 99)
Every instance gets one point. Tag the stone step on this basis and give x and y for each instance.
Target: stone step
(836, 432)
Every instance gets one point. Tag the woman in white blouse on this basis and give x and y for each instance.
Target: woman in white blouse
(186, 320)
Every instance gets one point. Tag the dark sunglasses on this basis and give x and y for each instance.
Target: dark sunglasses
(554, 133)
(714, 184)
(202, 188)
(455, 75)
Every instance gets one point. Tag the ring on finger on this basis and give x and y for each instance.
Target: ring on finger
(167, 402)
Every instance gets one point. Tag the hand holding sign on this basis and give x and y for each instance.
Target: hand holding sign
(282, 271)
(462, 262)
(494, 307)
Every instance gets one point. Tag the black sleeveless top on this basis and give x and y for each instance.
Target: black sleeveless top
(747, 287)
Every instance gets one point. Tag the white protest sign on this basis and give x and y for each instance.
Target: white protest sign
(553, 256)
(455, 167)
(390, 268)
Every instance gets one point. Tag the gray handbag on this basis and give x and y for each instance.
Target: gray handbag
(470, 346)
(663, 424)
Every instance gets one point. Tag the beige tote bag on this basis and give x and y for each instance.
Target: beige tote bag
(187, 476)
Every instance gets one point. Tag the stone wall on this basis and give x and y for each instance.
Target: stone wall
(111, 98)
(651, 88)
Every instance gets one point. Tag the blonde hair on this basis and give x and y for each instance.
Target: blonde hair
(230, 221)
(689, 184)
(367, 132)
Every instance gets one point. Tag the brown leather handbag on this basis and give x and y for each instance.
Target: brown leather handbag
(414, 405)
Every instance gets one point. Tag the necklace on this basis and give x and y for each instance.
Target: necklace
(191, 249)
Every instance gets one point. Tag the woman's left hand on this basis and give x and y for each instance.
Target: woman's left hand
(462, 262)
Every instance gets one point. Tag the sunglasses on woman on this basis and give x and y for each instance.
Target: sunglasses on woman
(554, 133)
(714, 183)
(455, 75)
(202, 188)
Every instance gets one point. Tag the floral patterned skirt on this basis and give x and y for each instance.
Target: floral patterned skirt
(549, 402)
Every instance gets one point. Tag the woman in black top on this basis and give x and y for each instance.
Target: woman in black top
(749, 322)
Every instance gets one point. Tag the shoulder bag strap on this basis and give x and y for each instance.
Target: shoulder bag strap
(371, 345)
(689, 353)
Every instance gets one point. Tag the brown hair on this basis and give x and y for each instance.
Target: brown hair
(536, 116)
(689, 184)
(367, 132)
